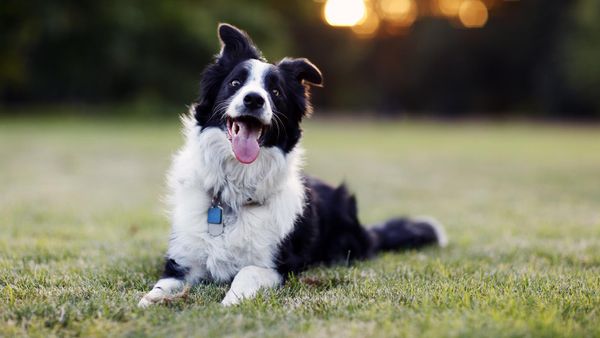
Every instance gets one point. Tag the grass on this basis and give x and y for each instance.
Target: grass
(82, 234)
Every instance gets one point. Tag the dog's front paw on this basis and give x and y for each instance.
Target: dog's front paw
(231, 299)
(153, 297)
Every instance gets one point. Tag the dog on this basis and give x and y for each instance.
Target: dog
(242, 211)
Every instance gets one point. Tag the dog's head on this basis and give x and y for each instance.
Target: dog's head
(256, 103)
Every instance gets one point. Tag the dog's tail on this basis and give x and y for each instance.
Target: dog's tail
(407, 233)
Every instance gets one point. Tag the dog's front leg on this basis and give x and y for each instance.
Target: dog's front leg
(163, 289)
(172, 281)
(248, 281)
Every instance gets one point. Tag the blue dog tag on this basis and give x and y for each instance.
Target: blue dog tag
(215, 215)
(215, 220)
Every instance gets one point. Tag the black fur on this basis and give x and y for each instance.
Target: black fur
(403, 233)
(329, 232)
(174, 270)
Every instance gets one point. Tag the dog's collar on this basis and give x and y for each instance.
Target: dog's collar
(249, 202)
(215, 219)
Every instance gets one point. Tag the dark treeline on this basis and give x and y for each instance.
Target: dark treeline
(534, 57)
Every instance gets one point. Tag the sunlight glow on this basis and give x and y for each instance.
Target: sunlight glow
(344, 13)
(449, 8)
(368, 26)
(400, 12)
(473, 14)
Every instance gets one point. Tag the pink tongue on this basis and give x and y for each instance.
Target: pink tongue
(245, 143)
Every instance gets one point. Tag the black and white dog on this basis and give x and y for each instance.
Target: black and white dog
(241, 209)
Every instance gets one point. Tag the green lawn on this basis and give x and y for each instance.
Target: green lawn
(83, 232)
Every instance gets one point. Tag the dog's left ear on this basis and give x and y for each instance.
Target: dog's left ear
(302, 70)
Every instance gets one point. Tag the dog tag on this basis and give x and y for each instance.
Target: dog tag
(215, 220)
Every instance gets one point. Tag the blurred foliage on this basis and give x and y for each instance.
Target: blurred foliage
(117, 50)
(537, 57)
(582, 51)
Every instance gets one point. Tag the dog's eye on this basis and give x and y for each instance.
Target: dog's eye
(235, 83)
(275, 92)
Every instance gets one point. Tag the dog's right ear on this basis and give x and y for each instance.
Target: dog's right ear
(236, 45)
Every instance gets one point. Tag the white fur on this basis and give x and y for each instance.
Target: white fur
(206, 164)
(255, 83)
(248, 282)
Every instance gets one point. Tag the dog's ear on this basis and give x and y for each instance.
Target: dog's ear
(302, 70)
(236, 45)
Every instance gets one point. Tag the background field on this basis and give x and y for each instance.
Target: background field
(82, 233)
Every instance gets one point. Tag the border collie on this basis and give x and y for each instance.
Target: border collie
(242, 211)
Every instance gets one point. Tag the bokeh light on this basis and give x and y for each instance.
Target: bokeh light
(344, 13)
(449, 8)
(368, 26)
(399, 12)
(473, 14)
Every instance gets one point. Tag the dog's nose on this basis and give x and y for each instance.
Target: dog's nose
(253, 101)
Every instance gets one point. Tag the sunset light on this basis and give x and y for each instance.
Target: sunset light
(449, 8)
(368, 26)
(399, 12)
(369, 18)
(344, 13)
(473, 14)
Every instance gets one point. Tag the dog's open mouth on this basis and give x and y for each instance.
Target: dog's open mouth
(245, 133)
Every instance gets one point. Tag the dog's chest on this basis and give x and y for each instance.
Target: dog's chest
(249, 237)
(252, 233)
